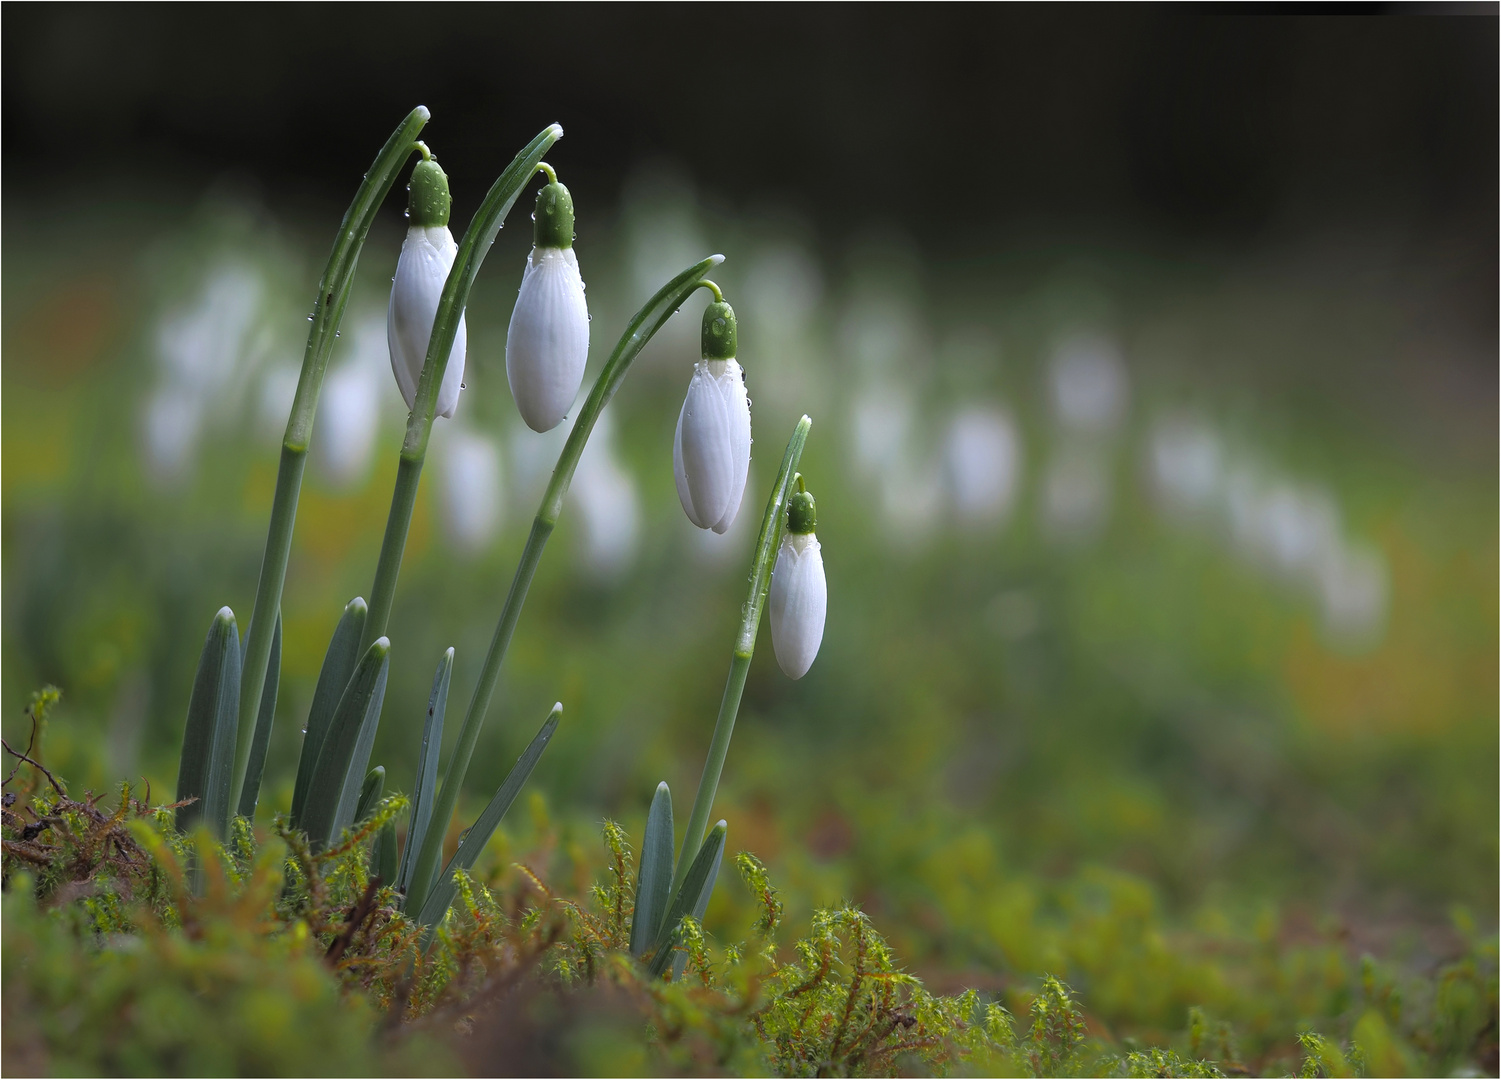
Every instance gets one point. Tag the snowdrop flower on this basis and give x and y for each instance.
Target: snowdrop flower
(549, 337)
(799, 597)
(427, 256)
(711, 449)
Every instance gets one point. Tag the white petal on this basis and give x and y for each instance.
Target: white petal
(427, 255)
(799, 602)
(677, 468)
(737, 403)
(548, 342)
(704, 450)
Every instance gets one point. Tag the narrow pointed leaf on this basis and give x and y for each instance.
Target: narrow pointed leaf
(359, 760)
(250, 794)
(383, 855)
(332, 790)
(435, 904)
(427, 769)
(370, 793)
(338, 665)
(208, 742)
(654, 878)
(701, 905)
(691, 899)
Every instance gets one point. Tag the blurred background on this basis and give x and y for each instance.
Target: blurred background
(1152, 357)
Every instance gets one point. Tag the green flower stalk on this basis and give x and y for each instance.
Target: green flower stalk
(638, 332)
(767, 545)
(328, 312)
(445, 329)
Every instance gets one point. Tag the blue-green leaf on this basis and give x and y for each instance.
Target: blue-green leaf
(427, 769)
(250, 793)
(338, 665)
(692, 898)
(335, 788)
(370, 792)
(654, 877)
(701, 905)
(208, 742)
(383, 854)
(383, 851)
(435, 905)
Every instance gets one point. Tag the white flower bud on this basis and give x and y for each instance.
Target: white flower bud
(711, 449)
(427, 255)
(799, 601)
(548, 342)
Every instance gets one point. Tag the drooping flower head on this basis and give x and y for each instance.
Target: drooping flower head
(711, 449)
(548, 341)
(427, 256)
(799, 596)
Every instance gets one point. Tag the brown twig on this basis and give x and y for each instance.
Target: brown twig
(353, 921)
(26, 757)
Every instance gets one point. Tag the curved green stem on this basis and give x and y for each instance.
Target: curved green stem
(713, 288)
(638, 332)
(328, 311)
(544, 167)
(472, 251)
(770, 539)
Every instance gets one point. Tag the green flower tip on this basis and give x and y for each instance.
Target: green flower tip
(381, 646)
(802, 513)
(719, 341)
(224, 615)
(553, 220)
(428, 200)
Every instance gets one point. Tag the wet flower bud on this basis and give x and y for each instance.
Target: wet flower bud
(427, 256)
(799, 596)
(548, 342)
(711, 449)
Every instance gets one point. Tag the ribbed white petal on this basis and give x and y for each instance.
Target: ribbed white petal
(732, 385)
(426, 257)
(711, 449)
(799, 601)
(548, 342)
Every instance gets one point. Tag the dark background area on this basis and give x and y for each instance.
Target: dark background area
(954, 122)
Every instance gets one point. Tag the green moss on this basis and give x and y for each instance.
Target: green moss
(132, 948)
